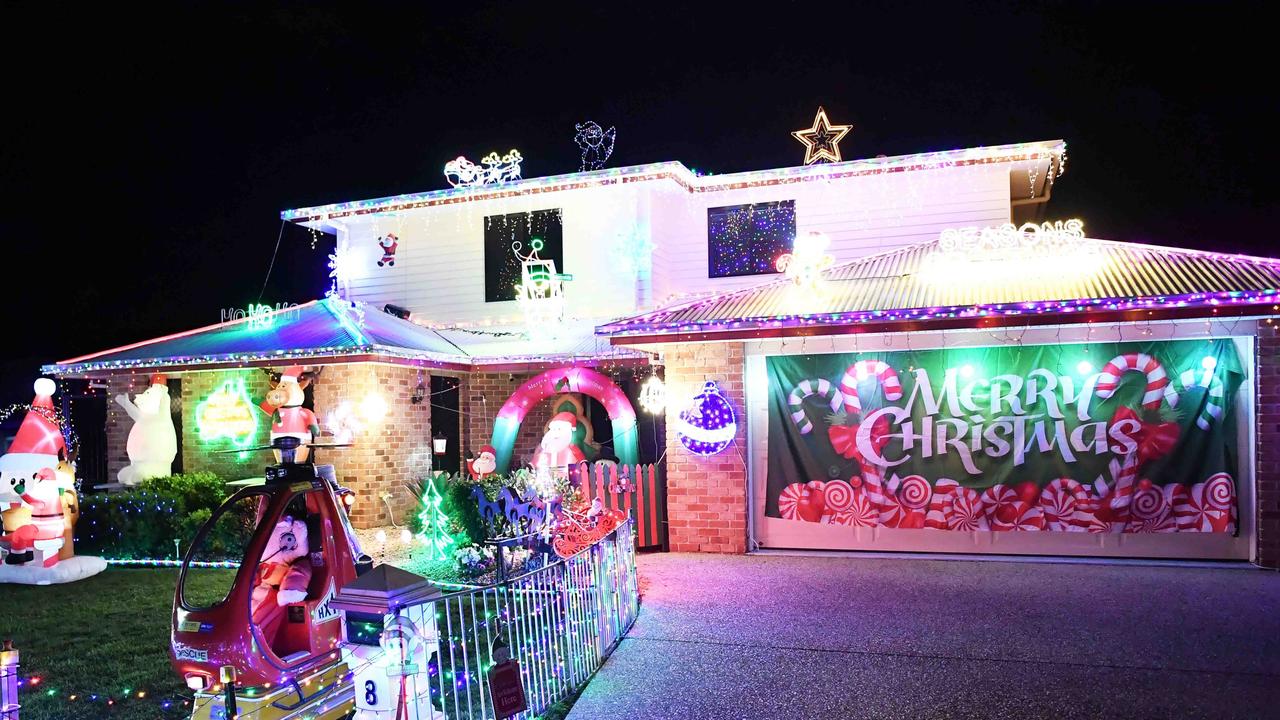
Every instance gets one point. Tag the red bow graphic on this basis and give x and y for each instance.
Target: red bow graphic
(1155, 440)
(844, 438)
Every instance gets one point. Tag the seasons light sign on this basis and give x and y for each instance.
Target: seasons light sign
(1112, 437)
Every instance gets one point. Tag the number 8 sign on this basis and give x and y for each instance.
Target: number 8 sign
(373, 690)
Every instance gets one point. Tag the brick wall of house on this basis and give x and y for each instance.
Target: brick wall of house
(1268, 448)
(707, 497)
(385, 457)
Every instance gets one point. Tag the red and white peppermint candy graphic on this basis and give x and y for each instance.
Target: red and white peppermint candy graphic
(1150, 511)
(1063, 503)
(861, 513)
(943, 490)
(789, 499)
(914, 492)
(1209, 506)
(861, 370)
(1006, 511)
(1158, 385)
(839, 496)
(964, 511)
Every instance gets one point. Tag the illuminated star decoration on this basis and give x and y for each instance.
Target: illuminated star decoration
(822, 141)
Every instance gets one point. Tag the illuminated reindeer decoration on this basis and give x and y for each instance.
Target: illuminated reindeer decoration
(492, 170)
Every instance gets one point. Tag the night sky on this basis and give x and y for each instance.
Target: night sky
(146, 154)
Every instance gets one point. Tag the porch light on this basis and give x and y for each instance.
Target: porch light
(439, 444)
(653, 396)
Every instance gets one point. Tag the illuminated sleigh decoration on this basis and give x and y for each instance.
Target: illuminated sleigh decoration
(576, 531)
(492, 170)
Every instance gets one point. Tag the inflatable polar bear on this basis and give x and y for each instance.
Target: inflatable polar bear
(152, 443)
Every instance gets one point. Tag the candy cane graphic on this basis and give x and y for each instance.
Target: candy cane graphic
(885, 501)
(1064, 503)
(828, 392)
(1217, 396)
(862, 370)
(1158, 385)
(1158, 388)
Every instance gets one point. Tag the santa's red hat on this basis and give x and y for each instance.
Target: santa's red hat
(160, 379)
(487, 449)
(39, 440)
(291, 374)
(566, 417)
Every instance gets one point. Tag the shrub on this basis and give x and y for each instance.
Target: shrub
(143, 522)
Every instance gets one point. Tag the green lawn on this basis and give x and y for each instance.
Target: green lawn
(106, 636)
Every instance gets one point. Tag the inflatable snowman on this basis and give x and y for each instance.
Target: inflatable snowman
(152, 443)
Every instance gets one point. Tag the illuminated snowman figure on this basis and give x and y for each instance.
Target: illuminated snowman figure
(397, 670)
(807, 259)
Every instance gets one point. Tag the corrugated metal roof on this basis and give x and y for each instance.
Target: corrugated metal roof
(924, 282)
(322, 328)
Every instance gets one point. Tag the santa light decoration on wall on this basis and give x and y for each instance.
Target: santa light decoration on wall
(708, 425)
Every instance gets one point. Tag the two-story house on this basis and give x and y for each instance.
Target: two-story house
(886, 374)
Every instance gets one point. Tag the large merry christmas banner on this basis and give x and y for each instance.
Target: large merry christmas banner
(1103, 437)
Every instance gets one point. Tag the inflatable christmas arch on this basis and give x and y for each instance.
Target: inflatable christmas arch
(567, 380)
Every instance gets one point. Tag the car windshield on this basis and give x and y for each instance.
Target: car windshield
(220, 550)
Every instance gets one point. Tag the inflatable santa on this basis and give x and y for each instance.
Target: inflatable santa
(557, 449)
(483, 464)
(31, 498)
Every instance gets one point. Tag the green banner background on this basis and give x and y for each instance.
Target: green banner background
(1198, 453)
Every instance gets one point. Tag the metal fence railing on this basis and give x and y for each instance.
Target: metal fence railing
(559, 623)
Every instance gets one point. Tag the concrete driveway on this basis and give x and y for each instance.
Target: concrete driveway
(771, 636)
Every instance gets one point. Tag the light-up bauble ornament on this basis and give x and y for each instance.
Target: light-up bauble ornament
(153, 441)
(653, 396)
(708, 425)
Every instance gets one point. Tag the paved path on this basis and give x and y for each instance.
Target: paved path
(835, 637)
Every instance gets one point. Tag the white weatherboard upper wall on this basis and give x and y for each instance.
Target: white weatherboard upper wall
(439, 271)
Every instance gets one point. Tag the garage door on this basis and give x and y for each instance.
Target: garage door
(1134, 448)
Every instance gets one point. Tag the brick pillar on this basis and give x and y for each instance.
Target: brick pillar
(706, 497)
(1267, 470)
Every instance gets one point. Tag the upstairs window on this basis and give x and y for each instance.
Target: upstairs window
(747, 239)
(501, 266)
